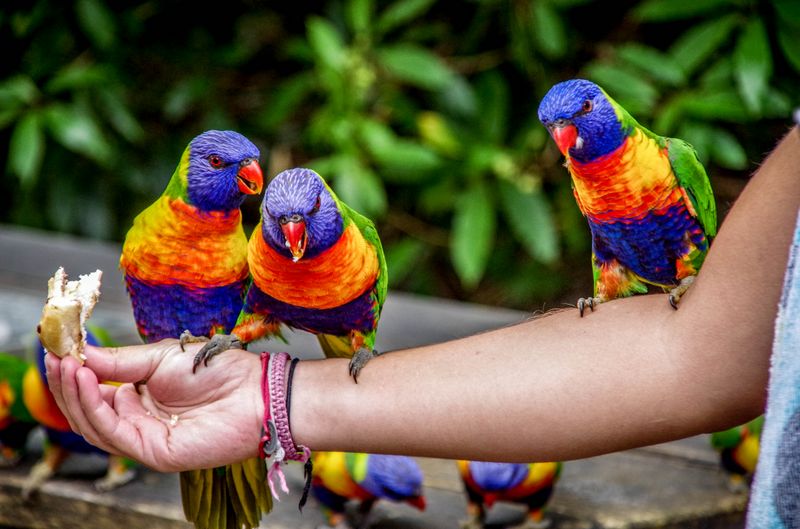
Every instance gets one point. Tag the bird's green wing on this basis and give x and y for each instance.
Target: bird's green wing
(367, 228)
(693, 179)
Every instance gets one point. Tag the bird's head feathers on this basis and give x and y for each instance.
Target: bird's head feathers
(217, 169)
(300, 214)
(583, 120)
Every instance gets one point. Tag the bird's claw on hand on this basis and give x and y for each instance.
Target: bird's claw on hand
(676, 293)
(188, 337)
(359, 360)
(587, 302)
(219, 343)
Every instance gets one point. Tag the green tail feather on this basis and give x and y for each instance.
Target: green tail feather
(231, 497)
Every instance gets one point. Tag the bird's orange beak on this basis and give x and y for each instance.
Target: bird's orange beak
(418, 502)
(250, 178)
(296, 238)
(565, 137)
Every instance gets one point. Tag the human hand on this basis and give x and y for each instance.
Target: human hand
(177, 420)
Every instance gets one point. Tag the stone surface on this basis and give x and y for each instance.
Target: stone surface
(671, 485)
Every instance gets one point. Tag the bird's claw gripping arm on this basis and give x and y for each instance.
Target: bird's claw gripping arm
(219, 343)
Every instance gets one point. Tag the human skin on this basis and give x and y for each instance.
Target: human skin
(633, 372)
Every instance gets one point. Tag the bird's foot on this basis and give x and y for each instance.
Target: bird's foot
(588, 302)
(39, 474)
(219, 343)
(188, 337)
(118, 474)
(359, 360)
(737, 484)
(530, 523)
(676, 293)
(473, 522)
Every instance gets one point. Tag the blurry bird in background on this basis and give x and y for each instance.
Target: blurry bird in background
(528, 484)
(340, 477)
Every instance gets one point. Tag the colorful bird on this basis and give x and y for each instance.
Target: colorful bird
(26, 403)
(340, 477)
(738, 449)
(16, 422)
(530, 484)
(185, 266)
(318, 266)
(647, 198)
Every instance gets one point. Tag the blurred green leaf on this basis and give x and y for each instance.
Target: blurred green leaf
(718, 75)
(76, 75)
(669, 114)
(493, 96)
(788, 11)
(458, 98)
(402, 258)
(359, 187)
(16, 91)
(776, 104)
(632, 92)
(790, 44)
(722, 105)
(727, 151)
(120, 116)
(359, 15)
(285, 99)
(77, 131)
(407, 161)
(548, 30)
(26, 149)
(753, 64)
(665, 10)
(472, 236)
(401, 12)
(326, 42)
(657, 65)
(415, 65)
(697, 44)
(531, 219)
(97, 21)
(8, 116)
(437, 132)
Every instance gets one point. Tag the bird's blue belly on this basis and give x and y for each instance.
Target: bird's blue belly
(165, 311)
(360, 314)
(651, 246)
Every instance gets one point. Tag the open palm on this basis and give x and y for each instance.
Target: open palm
(162, 414)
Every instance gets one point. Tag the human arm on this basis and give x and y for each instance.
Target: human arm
(634, 372)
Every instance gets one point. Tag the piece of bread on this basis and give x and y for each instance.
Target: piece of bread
(62, 329)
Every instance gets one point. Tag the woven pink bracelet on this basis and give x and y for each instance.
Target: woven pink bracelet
(276, 441)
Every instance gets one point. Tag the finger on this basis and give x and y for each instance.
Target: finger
(52, 366)
(130, 363)
(116, 429)
(69, 384)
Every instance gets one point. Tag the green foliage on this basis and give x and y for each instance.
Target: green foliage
(421, 114)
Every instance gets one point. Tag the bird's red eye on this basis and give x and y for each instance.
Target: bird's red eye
(215, 161)
(588, 105)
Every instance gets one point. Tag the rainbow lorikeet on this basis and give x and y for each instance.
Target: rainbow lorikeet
(317, 265)
(530, 484)
(185, 266)
(738, 449)
(16, 422)
(26, 403)
(647, 198)
(340, 477)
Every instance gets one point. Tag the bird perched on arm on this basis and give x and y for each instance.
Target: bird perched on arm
(647, 198)
(185, 266)
(530, 484)
(317, 265)
(340, 477)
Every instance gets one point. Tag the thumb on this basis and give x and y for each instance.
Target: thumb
(130, 363)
